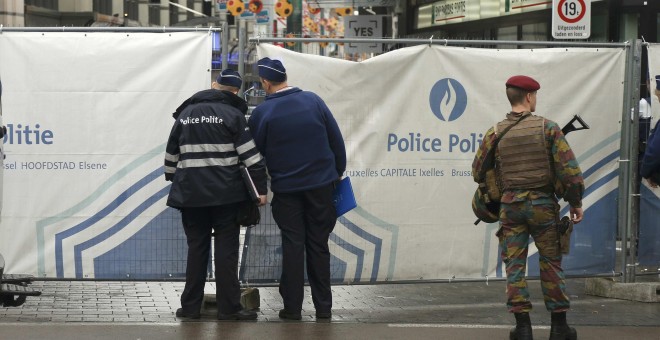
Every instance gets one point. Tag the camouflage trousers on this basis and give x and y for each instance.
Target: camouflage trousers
(519, 221)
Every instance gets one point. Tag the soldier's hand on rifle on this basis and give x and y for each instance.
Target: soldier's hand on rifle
(576, 215)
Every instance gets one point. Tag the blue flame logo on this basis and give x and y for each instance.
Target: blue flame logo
(448, 99)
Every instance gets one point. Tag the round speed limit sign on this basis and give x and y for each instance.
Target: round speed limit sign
(571, 19)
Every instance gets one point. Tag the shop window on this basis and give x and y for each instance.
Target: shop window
(50, 4)
(174, 15)
(131, 9)
(191, 5)
(657, 25)
(154, 13)
(102, 6)
(535, 32)
(598, 27)
(507, 33)
(628, 28)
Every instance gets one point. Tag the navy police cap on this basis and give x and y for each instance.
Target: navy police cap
(523, 82)
(230, 77)
(272, 70)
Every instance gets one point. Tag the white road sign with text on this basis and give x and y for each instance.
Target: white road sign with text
(571, 19)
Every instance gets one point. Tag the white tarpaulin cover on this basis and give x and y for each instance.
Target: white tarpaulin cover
(412, 120)
(88, 115)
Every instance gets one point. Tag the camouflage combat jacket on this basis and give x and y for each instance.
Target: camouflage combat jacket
(570, 183)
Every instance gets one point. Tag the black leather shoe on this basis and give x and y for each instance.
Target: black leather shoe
(240, 315)
(285, 314)
(181, 314)
(323, 315)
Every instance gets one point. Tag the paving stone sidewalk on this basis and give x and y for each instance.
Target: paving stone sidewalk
(474, 303)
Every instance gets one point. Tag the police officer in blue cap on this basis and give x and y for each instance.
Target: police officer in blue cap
(208, 143)
(305, 156)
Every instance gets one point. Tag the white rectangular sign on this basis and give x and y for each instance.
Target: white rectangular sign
(571, 19)
(449, 11)
(364, 26)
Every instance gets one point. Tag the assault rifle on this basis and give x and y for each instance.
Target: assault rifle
(570, 127)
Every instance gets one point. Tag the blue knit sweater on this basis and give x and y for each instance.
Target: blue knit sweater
(300, 139)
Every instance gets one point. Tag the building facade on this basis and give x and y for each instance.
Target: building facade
(611, 20)
(49, 13)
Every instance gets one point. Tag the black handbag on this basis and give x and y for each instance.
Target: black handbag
(248, 214)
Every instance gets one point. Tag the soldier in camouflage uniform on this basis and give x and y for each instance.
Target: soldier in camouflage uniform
(535, 167)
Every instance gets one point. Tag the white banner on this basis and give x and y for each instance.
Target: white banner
(412, 120)
(88, 115)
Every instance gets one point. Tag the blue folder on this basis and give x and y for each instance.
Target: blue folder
(343, 197)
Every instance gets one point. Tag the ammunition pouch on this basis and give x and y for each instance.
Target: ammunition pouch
(492, 187)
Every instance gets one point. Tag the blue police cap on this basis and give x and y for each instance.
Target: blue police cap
(230, 78)
(270, 69)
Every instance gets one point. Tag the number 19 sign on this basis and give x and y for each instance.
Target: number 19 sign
(571, 19)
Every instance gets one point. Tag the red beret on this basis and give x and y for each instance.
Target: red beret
(523, 82)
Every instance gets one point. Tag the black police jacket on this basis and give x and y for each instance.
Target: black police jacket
(208, 142)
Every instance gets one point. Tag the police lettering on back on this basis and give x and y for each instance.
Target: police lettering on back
(202, 120)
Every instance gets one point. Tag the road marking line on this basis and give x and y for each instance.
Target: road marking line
(434, 325)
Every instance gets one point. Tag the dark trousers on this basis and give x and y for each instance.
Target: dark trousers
(198, 223)
(306, 220)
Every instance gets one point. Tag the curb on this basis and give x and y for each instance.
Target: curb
(607, 287)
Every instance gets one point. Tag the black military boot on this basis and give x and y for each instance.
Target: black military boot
(559, 329)
(523, 329)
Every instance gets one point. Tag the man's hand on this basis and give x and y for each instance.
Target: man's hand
(263, 199)
(576, 215)
(652, 183)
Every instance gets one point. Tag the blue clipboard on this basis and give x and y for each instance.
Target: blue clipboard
(343, 197)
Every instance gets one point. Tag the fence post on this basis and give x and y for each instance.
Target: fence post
(634, 162)
(224, 41)
(627, 160)
(242, 32)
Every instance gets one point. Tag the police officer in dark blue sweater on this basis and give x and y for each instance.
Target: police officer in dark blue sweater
(208, 143)
(305, 156)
